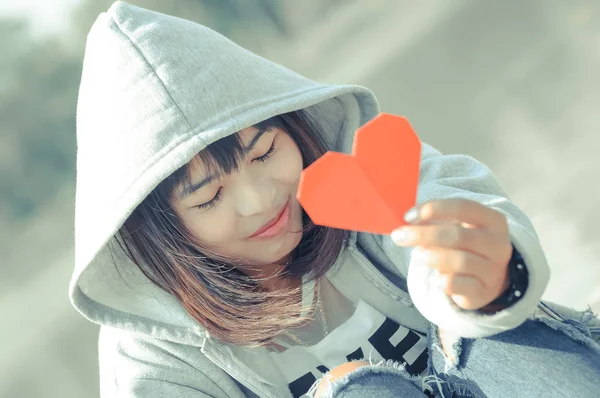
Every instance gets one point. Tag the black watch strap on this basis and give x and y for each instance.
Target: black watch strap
(518, 281)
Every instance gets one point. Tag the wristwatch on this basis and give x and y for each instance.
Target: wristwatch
(518, 281)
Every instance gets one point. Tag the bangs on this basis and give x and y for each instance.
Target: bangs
(222, 157)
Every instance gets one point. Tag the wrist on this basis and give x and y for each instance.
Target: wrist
(515, 286)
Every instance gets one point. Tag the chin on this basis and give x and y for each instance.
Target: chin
(289, 242)
(285, 244)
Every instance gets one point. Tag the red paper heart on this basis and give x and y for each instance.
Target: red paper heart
(370, 190)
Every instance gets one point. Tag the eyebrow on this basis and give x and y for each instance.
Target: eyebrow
(191, 188)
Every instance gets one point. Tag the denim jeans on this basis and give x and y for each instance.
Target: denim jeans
(556, 353)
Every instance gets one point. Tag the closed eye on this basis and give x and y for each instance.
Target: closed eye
(211, 202)
(267, 155)
(218, 195)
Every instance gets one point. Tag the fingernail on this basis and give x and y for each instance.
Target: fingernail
(399, 235)
(412, 215)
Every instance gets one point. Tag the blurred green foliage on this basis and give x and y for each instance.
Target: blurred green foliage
(38, 86)
(39, 79)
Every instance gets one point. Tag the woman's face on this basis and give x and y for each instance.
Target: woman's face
(251, 214)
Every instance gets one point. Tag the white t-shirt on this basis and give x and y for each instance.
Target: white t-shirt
(354, 332)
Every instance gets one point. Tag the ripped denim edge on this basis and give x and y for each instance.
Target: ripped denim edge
(576, 330)
(587, 315)
(435, 342)
(380, 367)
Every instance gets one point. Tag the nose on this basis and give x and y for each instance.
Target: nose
(254, 194)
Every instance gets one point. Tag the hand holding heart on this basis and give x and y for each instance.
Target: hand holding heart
(467, 242)
(371, 190)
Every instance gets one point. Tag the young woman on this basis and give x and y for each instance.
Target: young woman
(209, 280)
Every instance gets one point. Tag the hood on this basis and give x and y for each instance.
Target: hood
(155, 90)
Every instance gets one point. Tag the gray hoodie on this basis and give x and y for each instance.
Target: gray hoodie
(156, 90)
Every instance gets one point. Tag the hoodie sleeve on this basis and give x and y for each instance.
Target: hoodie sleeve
(138, 366)
(459, 176)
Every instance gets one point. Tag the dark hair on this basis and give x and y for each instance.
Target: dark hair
(231, 305)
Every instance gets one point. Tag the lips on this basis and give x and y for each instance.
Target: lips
(271, 222)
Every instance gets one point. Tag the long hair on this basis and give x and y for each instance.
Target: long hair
(231, 305)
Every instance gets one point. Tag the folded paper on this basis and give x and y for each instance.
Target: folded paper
(370, 190)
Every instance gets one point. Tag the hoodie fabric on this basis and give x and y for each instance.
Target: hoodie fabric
(156, 90)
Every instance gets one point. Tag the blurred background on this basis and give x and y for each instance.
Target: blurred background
(514, 83)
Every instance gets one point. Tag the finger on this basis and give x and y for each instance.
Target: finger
(468, 293)
(449, 236)
(450, 261)
(460, 211)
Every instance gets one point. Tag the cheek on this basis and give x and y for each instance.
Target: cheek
(288, 166)
(213, 228)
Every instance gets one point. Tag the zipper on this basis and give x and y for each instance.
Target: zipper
(549, 312)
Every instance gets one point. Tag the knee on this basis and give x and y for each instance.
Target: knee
(335, 374)
(556, 357)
